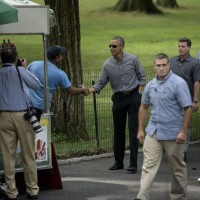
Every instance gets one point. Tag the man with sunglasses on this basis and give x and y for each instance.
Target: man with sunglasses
(127, 79)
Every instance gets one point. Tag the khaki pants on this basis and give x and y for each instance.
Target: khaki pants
(153, 152)
(13, 127)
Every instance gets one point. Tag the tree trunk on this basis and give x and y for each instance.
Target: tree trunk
(146, 6)
(167, 3)
(69, 115)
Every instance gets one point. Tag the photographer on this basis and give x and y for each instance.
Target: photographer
(14, 104)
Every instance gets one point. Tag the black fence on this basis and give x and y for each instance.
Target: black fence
(98, 114)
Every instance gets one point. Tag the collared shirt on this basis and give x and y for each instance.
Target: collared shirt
(12, 97)
(124, 75)
(56, 78)
(167, 99)
(188, 69)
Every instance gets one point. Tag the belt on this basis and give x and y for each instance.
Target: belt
(13, 110)
(126, 93)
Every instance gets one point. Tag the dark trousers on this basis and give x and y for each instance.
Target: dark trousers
(126, 106)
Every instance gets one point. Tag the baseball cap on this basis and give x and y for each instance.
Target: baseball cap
(54, 51)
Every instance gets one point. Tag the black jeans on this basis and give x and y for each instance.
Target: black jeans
(123, 106)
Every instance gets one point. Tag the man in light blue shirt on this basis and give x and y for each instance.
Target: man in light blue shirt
(170, 101)
(56, 78)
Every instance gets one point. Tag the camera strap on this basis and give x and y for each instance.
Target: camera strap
(20, 80)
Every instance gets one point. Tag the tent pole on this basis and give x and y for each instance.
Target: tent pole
(46, 88)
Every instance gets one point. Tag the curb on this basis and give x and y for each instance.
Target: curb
(86, 158)
(106, 155)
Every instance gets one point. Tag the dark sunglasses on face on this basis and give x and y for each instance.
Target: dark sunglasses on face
(113, 46)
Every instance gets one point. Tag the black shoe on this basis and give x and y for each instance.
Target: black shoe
(2, 191)
(117, 166)
(184, 156)
(132, 169)
(138, 199)
(7, 198)
(32, 196)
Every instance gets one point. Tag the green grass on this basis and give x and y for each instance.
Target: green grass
(145, 36)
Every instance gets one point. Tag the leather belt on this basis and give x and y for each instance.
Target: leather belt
(13, 110)
(126, 93)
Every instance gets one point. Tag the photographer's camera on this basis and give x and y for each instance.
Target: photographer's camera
(19, 62)
(30, 115)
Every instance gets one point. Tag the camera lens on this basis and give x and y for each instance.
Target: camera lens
(35, 124)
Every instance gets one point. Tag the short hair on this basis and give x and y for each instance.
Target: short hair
(187, 40)
(8, 55)
(161, 56)
(120, 39)
(54, 51)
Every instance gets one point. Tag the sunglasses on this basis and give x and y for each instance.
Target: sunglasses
(113, 46)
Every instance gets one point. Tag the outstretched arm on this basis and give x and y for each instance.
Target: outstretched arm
(75, 91)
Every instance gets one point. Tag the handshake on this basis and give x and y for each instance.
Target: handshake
(86, 91)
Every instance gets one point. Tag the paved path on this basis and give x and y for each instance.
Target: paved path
(91, 180)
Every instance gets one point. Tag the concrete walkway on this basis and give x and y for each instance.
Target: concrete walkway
(90, 179)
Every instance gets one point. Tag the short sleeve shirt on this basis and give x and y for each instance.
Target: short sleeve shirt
(167, 99)
(56, 78)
